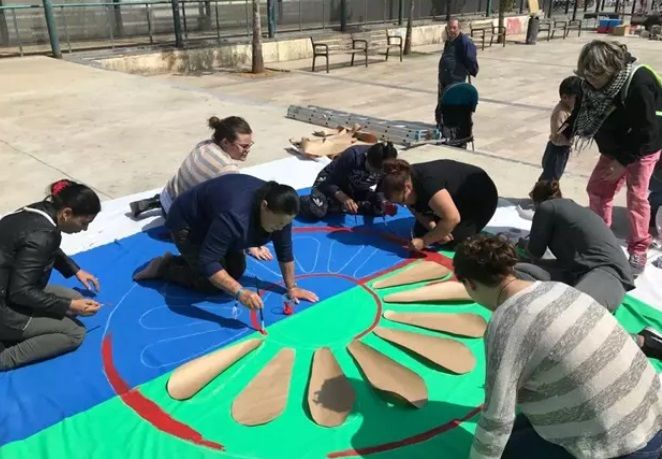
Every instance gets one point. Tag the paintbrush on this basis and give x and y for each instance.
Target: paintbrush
(257, 290)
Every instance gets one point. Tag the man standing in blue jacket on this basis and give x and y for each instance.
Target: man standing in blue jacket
(457, 62)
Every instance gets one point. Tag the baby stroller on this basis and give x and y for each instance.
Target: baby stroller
(454, 114)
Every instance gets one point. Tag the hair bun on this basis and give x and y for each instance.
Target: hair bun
(214, 122)
(57, 187)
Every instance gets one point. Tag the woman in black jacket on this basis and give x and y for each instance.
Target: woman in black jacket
(621, 109)
(36, 318)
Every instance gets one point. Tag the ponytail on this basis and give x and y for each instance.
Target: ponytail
(396, 174)
(81, 199)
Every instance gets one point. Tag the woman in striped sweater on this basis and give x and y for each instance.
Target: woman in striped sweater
(582, 386)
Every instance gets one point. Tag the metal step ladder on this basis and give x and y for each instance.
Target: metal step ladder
(398, 132)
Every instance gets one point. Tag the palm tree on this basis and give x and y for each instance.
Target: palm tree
(258, 59)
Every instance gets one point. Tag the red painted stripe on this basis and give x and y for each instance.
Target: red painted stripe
(398, 265)
(146, 408)
(414, 439)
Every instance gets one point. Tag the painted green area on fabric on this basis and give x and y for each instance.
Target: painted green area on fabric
(112, 430)
(333, 323)
(635, 315)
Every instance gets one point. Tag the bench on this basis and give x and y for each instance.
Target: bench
(552, 26)
(560, 25)
(483, 29)
(327, 47)
(377, 40)
(575, 24)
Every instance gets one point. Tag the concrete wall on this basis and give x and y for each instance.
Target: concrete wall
(239, 55)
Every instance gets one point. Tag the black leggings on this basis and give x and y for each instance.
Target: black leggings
(183, 269)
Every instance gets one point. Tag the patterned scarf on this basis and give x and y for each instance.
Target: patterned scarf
(596, 106)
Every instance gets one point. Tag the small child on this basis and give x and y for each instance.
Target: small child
(558, 147)
(346, 184)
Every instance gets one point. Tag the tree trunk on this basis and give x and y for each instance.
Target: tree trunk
(410, 20)
(258, 59)
(503, 4)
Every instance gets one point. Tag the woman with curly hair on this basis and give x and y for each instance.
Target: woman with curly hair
(582, 386)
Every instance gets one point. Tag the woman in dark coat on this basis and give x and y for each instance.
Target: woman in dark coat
(38, 319)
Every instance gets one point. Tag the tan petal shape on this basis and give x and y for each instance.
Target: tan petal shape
(330, 395)
(447, 353)
(328, 146)
(417, 272)
(441, 291)
(471, 325)
(189, 378)
(387, 375)
(265, 397)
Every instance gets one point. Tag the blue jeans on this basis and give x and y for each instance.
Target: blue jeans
(525, 443)
(554, 161)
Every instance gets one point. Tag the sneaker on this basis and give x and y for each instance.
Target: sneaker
(652, 343)
(138, 207)
(637, 263)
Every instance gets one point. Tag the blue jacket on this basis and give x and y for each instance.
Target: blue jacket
(348, 172)
(222, 216)
(458, 61)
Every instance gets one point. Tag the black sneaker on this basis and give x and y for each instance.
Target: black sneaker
(138, 207)
(638, 263)
(652, 343)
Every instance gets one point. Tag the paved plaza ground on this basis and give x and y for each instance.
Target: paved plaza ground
(125, 133)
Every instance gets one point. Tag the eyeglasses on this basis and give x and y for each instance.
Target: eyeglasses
(244, 146)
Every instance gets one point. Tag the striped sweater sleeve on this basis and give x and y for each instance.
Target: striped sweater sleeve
(498, 416)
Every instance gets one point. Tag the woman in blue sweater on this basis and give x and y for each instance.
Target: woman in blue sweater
(213, 223)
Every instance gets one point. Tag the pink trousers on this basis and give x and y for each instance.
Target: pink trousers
(636, 176)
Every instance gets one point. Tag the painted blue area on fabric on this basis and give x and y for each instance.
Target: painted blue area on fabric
(157, 326)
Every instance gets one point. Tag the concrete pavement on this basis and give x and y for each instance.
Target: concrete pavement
(125, 133)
